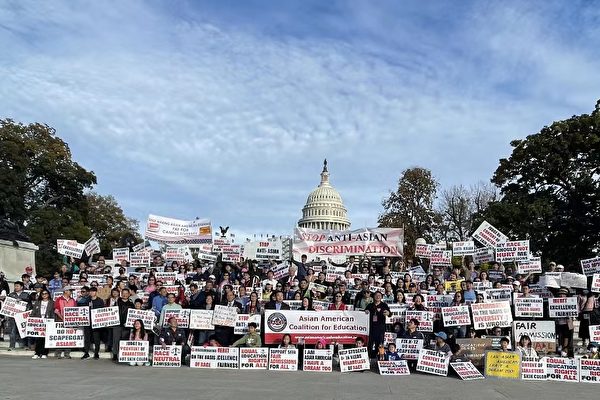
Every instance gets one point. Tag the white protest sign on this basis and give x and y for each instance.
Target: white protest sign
(533, 370)
(489, 236)
(214, 357)
(489, 315)
(456, 316)
(466, 371)
(167, 356)
(435, 303)
(254, 357)
(36, 327)
(224, 316)
(594, 333)
(270, 249)
(495, 295)
(12, 306)
(529, 307)
(425, 319)
(105, 317)
(140, 258)
(356, 359)
(589, 370)
(57, 336)
(134, 351)
(399, 367)
(147, 317)
(121, 255)
(397, 313)
(409, 348)
(280, 270)
(541, 333)
(590, 266)
(563, 307)
(562, 369)
(463, 248)
(532, 266)
(92, 246)
(596, 283)
(517, 250)
(441, 258)
(201, 319)
(21, 322)
(70, 248)
(182, 315)
(205, 253)
(483, 255)
(242, 321)
(572, 280)
(176, 231)
(318, 360)
(283, 359)
(433, 362)
(74, 317)
(231, 253)
(424, 250)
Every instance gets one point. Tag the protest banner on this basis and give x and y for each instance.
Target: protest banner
(532, 266)
(121, 255)
(294, 304)
(529, 307)
(456, 316)
(482, 286)
(501, 364)
(441, 258)
(231, 253)
(516, 250)
(474, 349)
(92, 246)
(589, 370)
(12, 306)
(205, 253)
(550, 279)
(542, 334)
(176, 231)
(483, 255)
(562, 369)
(594, 333)
(21, 322)
(595, 283)
(433, 362)
(463, 248)
(214, 357)
(425, 319)
(423, 250)
(147, 317)
(409, 348)
(105, 317)
(334, 273)
(36, 327)
(57, 336)
(533, 370)
(74, 317)
(182, 315)
(70, 248)
(318, 360)
(173, 254)
(590, 266)
(466, 371)
(489, 315)
(201, 319)
(496, 295)
(270, 249)
(167, 278)
(399, 367)
(562, 307)
(167, 356)
(140, 259)
(242, 321)
(224, 316)
(489, 236)
(315, 243)
(339, 326)
(254, 357)
(283, 359)
(356, 359)
(134, 351)
(573, 280)
(397, 313)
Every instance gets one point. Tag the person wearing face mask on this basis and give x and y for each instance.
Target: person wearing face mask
(593, 351)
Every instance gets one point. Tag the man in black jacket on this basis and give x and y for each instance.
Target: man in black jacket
(278, 304)
(119, 331)
(92, 334)
(173, 335)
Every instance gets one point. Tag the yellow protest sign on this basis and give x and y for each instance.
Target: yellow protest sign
(453, 286)
(502, 364)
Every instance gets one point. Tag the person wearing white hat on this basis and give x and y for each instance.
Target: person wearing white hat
(564, 329)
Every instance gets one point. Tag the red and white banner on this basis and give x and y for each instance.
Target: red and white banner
(441, 258)
(463, 248)
(224, 316)
(533, 266)
(489, 236)
(121, 255)
(70, 248)
(11, 306)
(596, 283)
(147, 317)
(242, 321)
(529, 307)
(283, 359)
(562, 369)
(182, 315)
(425, 319)
(57, 336)
(176, 231)
(424, 250)
(489, 315)
(339, 326)
(215, 357)
(356, 359)
(36, 327)
(318, 360)
(594, 333)
(533, 370)
(270, 249)
(315, 243)
(589, 370)
(409, 348)
(563, 307)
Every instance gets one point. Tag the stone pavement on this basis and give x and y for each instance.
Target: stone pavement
(101, 379)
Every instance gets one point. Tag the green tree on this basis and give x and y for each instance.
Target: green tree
(550, 190)
(411, 207)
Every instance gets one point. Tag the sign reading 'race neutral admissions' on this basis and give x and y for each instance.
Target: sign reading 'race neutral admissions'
(318, 360)
(76, 316)
(166, 356)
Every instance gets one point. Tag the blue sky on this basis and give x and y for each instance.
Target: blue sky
(226, 109)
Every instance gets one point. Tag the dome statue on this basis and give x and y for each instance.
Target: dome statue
(324, 207)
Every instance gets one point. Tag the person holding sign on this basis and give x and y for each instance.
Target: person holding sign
(250, 339)
(92, 335)
(525, 348)
(120, 332)
(59, 306)
(378, 311)
(43, 308)
(138, 332)
(173, 335)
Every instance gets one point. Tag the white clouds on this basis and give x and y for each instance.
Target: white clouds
(233, 124)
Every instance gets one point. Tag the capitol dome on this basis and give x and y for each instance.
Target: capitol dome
(324, 208)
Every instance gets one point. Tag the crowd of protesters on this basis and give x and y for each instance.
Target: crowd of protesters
(251, 287)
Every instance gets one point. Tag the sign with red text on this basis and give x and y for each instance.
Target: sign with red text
(283, 359)
(36, 327)
(147, 317)
(11, 306)
(596, 283)
(105, 317)
(318, 360)
(594, 333)
(425, 319)
(121, 255)
(224, 316)
(489, 236)
(356, 359)
(516, 250)
(70, 248)
(489, 315)
(76, 316)
(532, 266)
(21, 322)
(399, 367)
(214, 357)
(562, 369)
(182, 315)
(441, 258)
(57, 336)
(533, 370)
(176, 231)
(542, 334)
(167, 356)
(254, 357)
(134, 351)
(589, 370)
(466, 371)
(563, 307)
(409, 348)
(456, 316)
(590, 266)
(433, 362)
(424, 250)
(242, 321)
